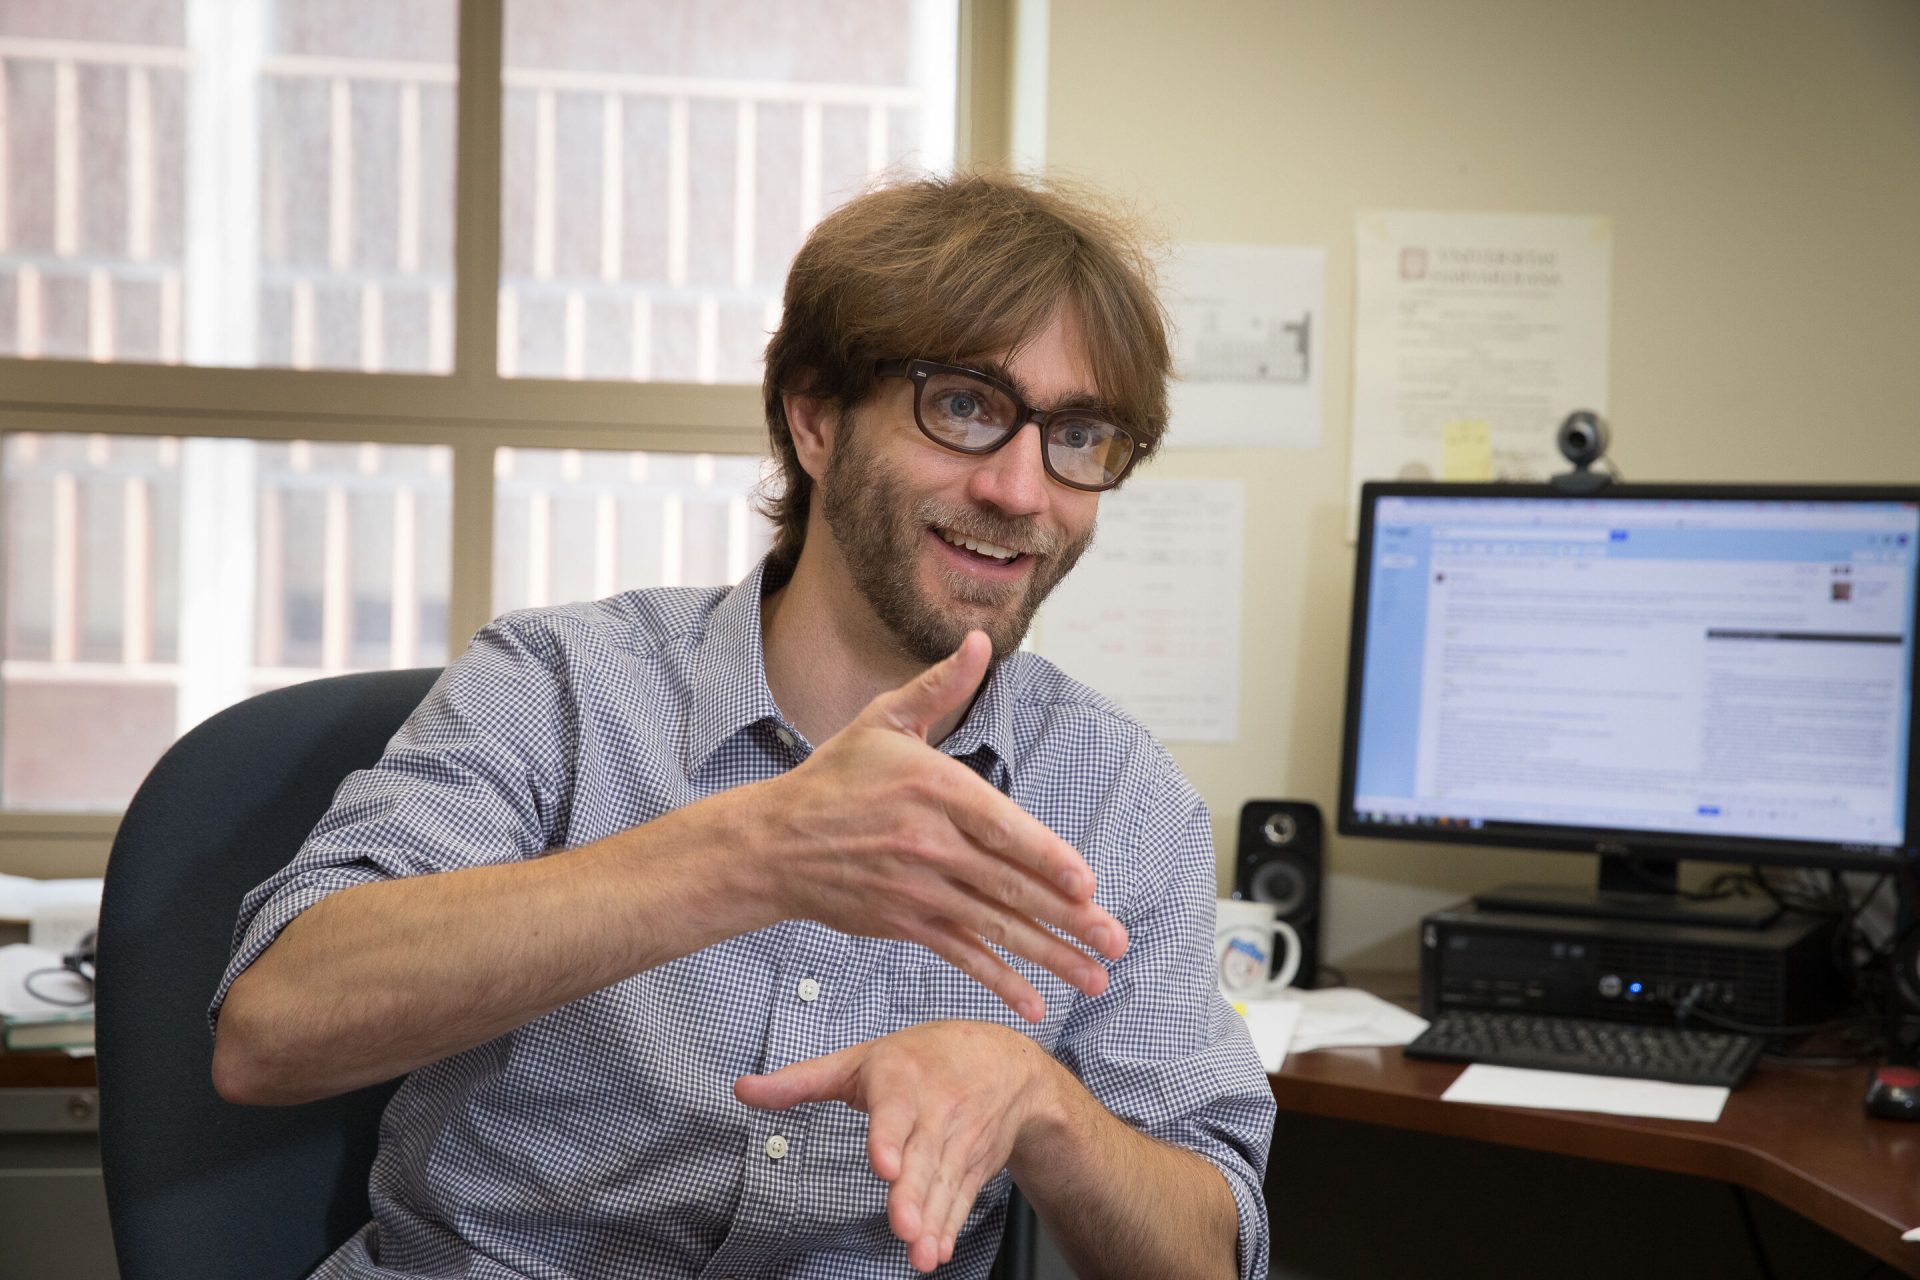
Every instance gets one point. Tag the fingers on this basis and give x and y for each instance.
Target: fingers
(833, 1078)
(942, 689)
(1016, 839)
(888, 1128)
(908, 1207)
(969, 1191)
(964, 947)
(965, 952)
(1021, 865)
(939, 1178)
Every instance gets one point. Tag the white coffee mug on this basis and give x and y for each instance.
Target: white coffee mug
(1246, 936)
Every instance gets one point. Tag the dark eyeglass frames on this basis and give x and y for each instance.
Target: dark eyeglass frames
(969, 412)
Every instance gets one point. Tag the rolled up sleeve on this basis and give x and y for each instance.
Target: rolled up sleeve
(478, 775)
(1161, 1049)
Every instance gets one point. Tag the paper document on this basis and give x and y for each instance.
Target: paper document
(1271, 1023)
(1474, 336)
(1151, 617)
(1248, 329)
(1349, 1018)
(1570, 1091)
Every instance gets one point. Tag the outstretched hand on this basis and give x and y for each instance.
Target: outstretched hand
(946, 1102)
(885, 836)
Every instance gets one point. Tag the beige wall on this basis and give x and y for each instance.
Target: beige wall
(1760, 160)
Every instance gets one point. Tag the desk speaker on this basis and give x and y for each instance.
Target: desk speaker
(1278, 861)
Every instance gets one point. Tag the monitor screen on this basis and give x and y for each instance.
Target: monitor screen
(1686, 671)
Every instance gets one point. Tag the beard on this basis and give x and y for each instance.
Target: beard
(880, 532)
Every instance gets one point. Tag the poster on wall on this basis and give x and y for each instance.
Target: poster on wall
(1475, 334)
(1247, 335)
(1151, 615)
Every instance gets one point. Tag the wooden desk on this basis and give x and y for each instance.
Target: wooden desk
(1796, 1134)
(45, 1069)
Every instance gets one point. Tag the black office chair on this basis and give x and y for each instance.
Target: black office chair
(199, 1189)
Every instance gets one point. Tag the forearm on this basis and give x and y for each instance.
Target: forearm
(1119, 1203)
(383, 978)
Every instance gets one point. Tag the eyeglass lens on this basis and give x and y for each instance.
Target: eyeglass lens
(974, 415)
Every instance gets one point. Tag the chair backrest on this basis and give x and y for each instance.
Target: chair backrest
(197, 1187)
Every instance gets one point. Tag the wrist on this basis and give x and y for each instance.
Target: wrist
(697, 864)
(747, 877)
(1055, 1118)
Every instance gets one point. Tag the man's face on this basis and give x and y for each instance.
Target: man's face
(898, 506)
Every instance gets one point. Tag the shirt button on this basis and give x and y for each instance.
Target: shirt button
(808, 990)
(781, 732)
(776, 1148)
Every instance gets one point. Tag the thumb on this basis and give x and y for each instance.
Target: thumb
(826, 1079)
(946, 686)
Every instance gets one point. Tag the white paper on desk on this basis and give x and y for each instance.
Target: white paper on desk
(1271, 1024)
(1570, 1091)
(1349, 1018)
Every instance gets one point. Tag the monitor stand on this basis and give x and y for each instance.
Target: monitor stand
(1637, 889)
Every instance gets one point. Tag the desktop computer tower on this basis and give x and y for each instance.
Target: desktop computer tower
(1634, 971)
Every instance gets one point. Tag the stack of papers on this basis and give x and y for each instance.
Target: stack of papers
(1333, 1018)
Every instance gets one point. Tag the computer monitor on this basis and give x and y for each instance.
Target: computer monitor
(1650, 673)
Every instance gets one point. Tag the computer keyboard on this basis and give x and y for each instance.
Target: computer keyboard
(1506, 1039)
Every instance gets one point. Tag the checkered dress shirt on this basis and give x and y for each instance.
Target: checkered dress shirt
(603, 1140)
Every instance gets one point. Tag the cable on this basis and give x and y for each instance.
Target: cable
(1747, 1220)
(60, 1001)
(1686, 1009)
(1728, 884)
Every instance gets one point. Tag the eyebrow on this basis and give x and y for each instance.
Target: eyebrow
(1078, 400)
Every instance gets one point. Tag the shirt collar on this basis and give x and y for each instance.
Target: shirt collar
(989, 722)
(731, 693)
(730, 673)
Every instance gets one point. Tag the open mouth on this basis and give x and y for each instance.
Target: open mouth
(979, 553)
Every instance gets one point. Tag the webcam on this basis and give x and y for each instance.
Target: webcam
(1583, 438)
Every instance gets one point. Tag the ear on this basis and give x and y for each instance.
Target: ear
(812, 421)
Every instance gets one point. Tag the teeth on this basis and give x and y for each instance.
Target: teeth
(975, 544)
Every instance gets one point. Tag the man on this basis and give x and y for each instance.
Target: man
(686, 994)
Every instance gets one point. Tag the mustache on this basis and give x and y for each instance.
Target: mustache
(1025, 536)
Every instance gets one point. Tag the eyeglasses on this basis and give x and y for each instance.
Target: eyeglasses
(969, 412)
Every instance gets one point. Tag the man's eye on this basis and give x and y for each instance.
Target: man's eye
(1077, 437)
(961, 404)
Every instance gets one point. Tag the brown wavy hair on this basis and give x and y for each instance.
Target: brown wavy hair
(951, 268)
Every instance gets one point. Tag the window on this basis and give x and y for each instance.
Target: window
(661, 166)
(151, 581)
(328, 328)
(569, 525)
(232, 183)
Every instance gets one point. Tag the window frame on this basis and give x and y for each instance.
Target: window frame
(472, 410)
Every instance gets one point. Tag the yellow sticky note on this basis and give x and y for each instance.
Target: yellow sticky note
(1466, 451)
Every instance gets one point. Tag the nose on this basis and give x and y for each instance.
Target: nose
(1012, 478)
